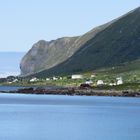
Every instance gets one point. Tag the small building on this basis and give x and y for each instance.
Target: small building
(119, 81)
(89, 82)
(33, 79)
(100, 82)
(55, 78)
(47, 79)
(77, 76)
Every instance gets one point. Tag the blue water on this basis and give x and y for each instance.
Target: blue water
(46, 117)
(10, 88)
(15, 88)
(10, 62)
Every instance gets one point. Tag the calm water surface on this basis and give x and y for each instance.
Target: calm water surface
(9, 63)
(43, 117)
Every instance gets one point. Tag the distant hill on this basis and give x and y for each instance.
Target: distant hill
(111, 44)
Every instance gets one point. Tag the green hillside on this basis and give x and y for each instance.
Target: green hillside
(47, 54)
(117, 44)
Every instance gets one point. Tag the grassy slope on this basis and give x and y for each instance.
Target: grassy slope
(52, 53)
(130, 72)
(118, 43)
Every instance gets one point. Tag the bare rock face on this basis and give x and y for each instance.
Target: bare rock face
(45, 55)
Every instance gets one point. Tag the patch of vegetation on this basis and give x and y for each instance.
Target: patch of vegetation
(115, 45)
(131, 79)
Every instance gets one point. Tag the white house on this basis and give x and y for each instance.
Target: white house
(77, 76)
(89, 82)
(47, 79)
(119, 81)
(33, 79)
(55, 78)
(100, 82)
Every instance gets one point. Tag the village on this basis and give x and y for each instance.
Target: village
(72, 80)
(76, 84)
(117, 81)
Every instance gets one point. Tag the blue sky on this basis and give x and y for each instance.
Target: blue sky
(24, 22)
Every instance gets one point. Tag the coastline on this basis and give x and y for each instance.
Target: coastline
(74, 92)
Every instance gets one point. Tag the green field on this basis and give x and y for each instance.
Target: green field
(130, 73)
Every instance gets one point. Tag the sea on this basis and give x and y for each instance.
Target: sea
(10, 63)
(57, 117)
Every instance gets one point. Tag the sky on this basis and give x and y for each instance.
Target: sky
(24, 22)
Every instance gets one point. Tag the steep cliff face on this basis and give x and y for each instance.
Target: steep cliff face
(108, 45)
(47, 54)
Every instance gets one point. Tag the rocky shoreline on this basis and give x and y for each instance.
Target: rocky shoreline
(75, 91)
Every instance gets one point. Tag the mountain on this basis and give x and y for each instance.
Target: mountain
(111, 44)
(47, 54)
